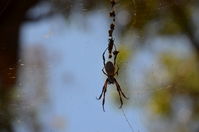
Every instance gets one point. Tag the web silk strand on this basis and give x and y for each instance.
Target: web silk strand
(127, 120)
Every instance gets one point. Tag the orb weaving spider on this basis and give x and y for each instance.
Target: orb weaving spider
(110, 73)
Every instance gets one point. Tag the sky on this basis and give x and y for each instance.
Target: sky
(73, 54)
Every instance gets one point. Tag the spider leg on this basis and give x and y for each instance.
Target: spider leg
(103, 89)
(120, 97)
(118, 86)
(117, 70)
(98, 98)
(103, 102)
(115, 59)
(103, 93)
(104, 72)
(115, 47)
(103, 56)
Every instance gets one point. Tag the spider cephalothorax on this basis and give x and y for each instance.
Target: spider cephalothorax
(110, 73)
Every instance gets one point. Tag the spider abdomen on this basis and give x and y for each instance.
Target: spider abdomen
(110, 68)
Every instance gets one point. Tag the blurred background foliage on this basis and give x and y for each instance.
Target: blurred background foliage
(174, 81)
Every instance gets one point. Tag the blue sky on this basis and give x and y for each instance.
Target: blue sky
(77, 51)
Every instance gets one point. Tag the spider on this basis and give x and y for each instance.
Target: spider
(110, 73)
